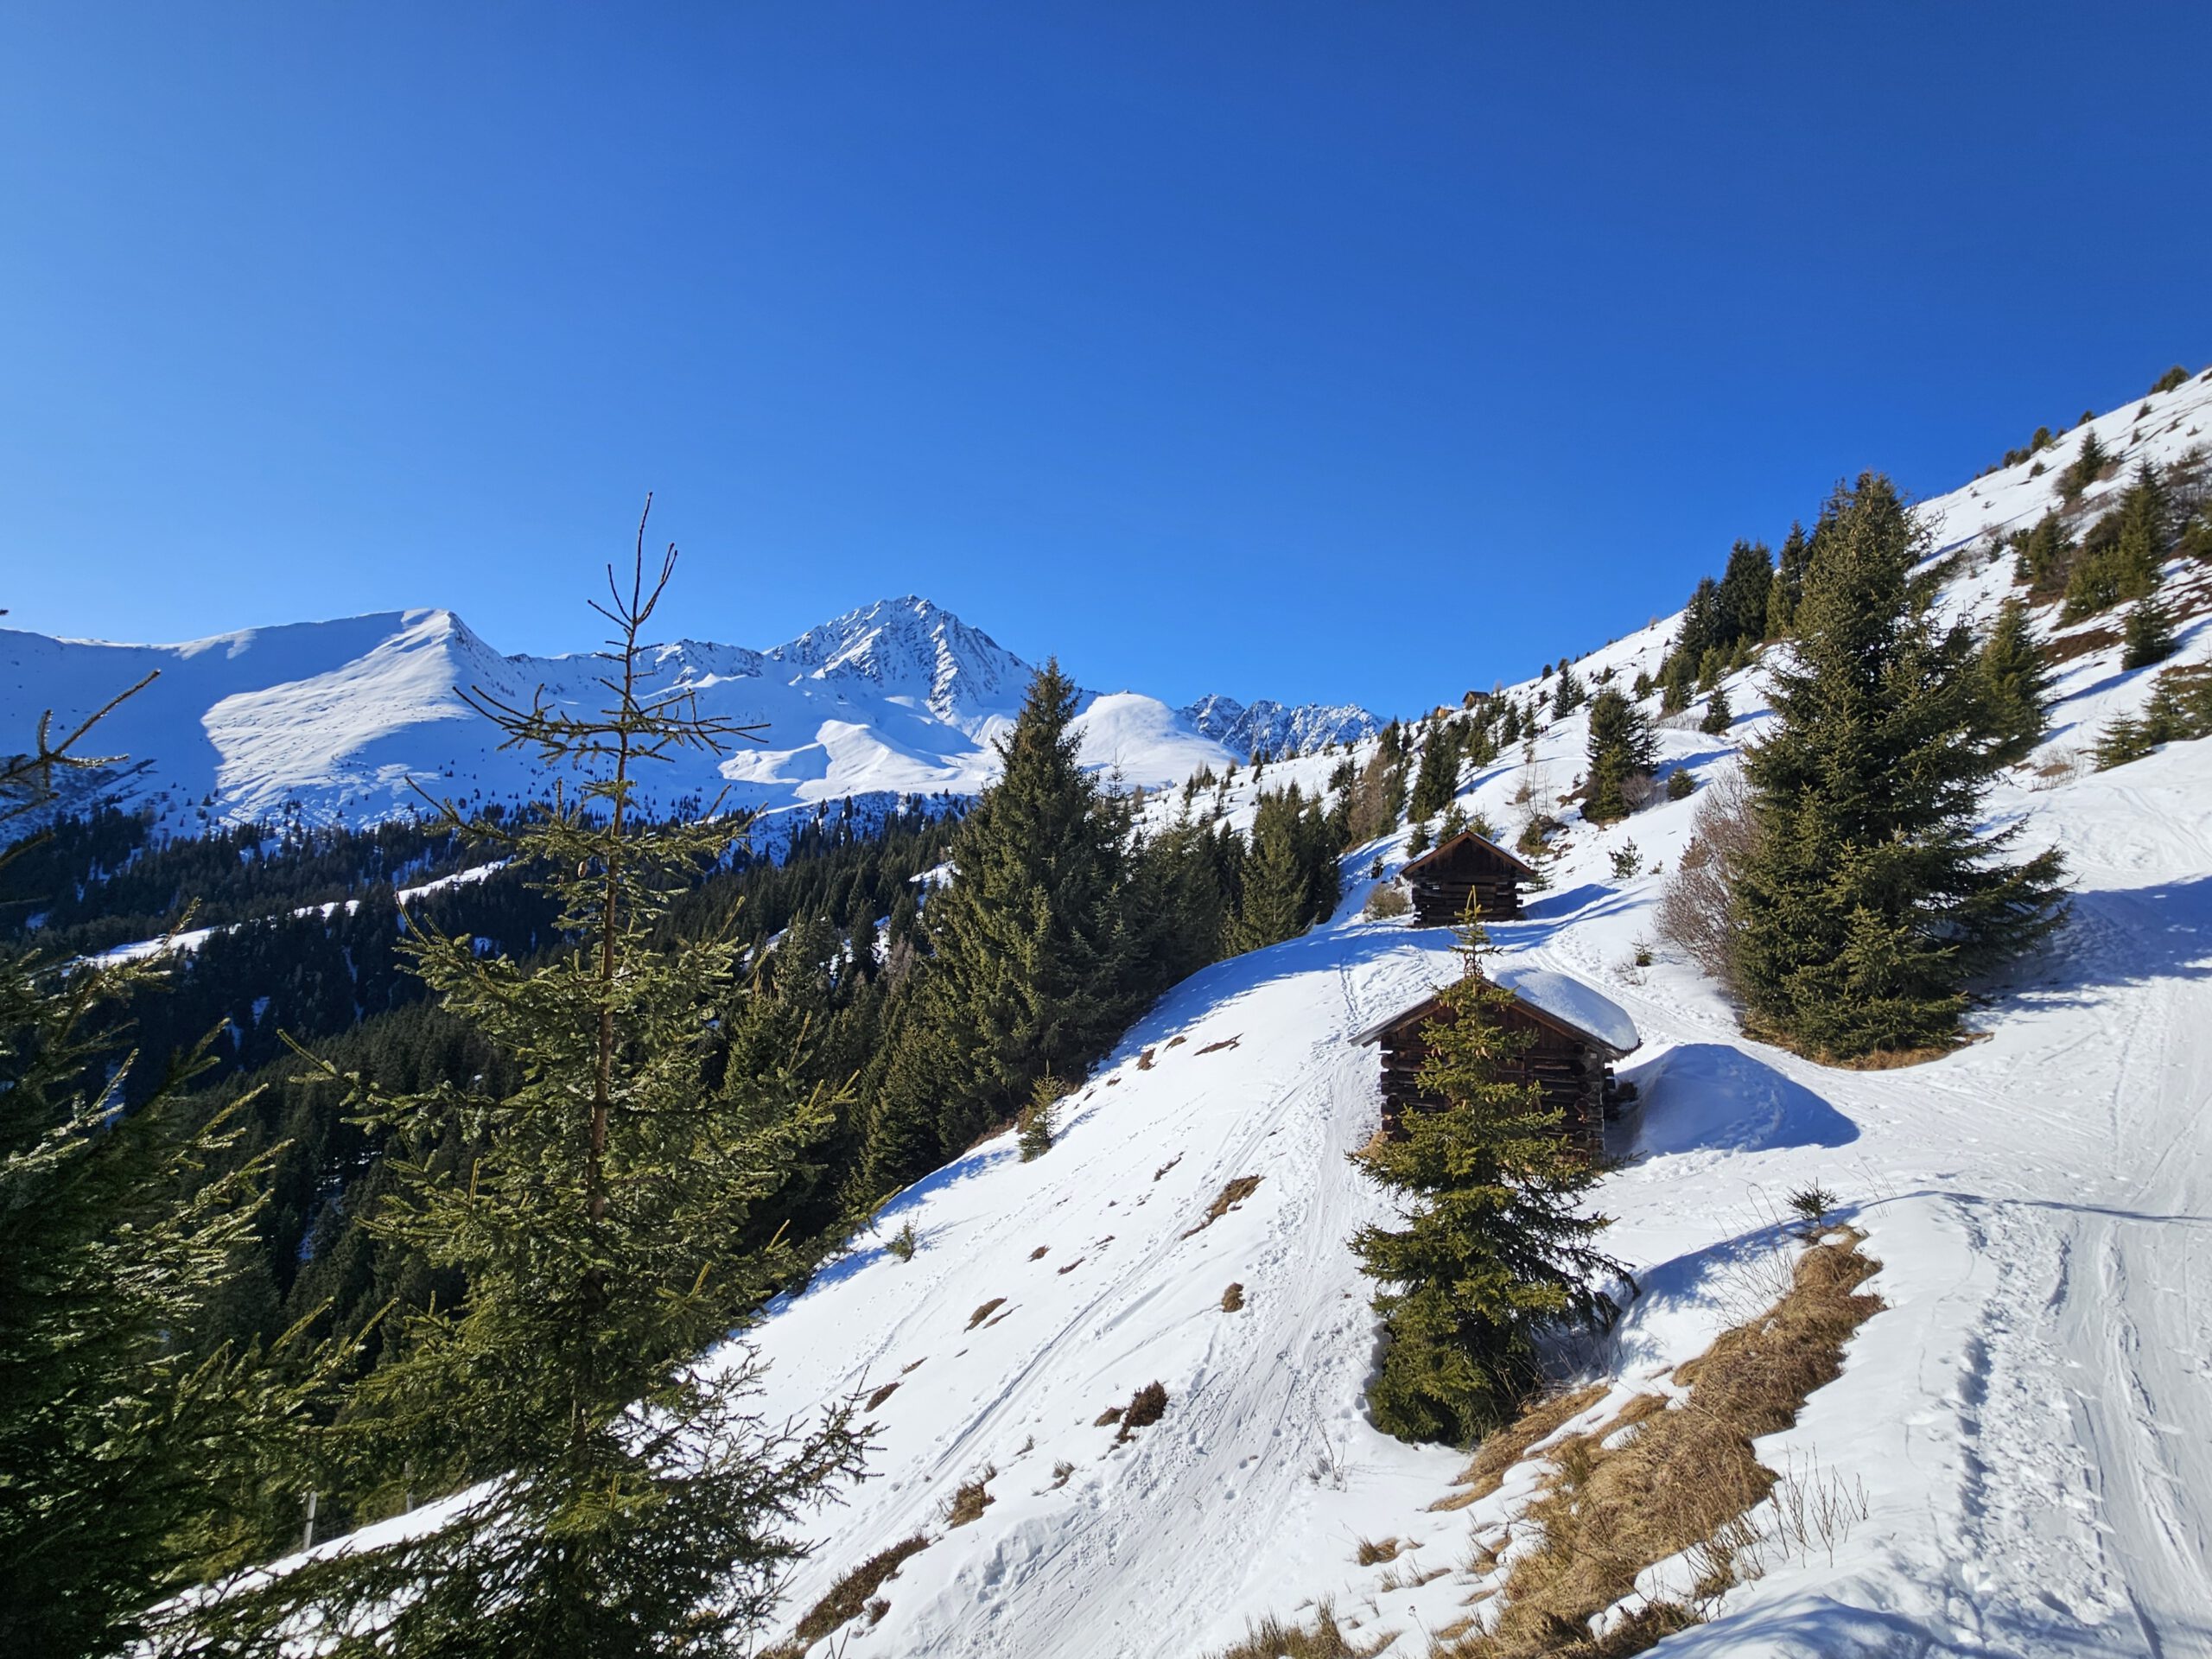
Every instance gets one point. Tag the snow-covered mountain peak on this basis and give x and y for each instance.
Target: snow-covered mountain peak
(911, 647)
(1279, 729)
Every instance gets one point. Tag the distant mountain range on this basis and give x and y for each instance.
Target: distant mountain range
(331, 721)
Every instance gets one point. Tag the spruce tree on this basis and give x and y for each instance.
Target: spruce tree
(2045, 556)
(2015, 686)
(612, 1493)
(1566, 695)
(2121, 556)
(1496, 1245)
(1622, 752)
(133, 1462)
(1034, 1129)
(1279, 898)
(1438, 779)
(2087, 466)
(1717, 715)
(1742, 600)
(2149, 635)
(1788, 582)
(1031, 965)
(1869, 898)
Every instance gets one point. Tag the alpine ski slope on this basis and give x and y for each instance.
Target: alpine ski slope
(2026, 1427)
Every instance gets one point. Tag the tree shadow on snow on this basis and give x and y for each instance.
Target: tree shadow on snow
(2115, 937)
(1713, 1097)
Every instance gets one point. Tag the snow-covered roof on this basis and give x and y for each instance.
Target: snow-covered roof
(1573, 1003)
(1564, 1000)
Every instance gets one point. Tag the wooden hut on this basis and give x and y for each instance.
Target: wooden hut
(1467, 865)
(1576, 1037)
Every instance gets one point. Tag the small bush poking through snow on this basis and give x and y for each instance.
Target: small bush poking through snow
(901, 1243)
(1387, 901)
(970, 1499)
(1232, 1300)
(1034, 1133)
(1147, 1407)
(1813, 1205)
(1679, 784)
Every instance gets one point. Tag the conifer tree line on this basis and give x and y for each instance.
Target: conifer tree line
(2118, 555)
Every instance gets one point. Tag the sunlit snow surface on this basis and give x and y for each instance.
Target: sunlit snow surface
(361, 719)
(2031, 1416)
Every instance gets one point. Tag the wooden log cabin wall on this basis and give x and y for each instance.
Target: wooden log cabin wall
(1467, 865)
(1573, 1067)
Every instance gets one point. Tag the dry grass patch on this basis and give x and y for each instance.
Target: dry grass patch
(1226, 1200)
(970, 1498)
(1508, 1445)
(849, 1598)
(1371, 1554)
(1071, 1267)
(1683, 1479)
(1894, 1059)
(881, 1396)
(1226, 1042)
(1037, 1255)
(985, 1311)
(1144, 1060)
(1324, 1639)
(1177, 1041)
(1232, 1300)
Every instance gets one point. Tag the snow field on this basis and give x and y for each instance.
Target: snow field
(2030, 1419)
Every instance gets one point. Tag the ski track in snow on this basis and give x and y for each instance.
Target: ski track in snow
(2030, 1415)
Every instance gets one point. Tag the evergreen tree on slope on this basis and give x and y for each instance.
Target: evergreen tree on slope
(1622, 754)
(612, 1493)
(1438, 779)
(2015, 686)
(1031, 966)
(1869, 898)
(130, 1466)
(1496, 1244)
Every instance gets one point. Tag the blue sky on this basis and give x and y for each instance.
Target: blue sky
(1348, 351)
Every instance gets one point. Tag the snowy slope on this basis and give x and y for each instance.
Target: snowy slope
(336, 718)
(2030, 1417)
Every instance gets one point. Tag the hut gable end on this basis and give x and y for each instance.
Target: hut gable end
(1570, 1065)
(1467, 866)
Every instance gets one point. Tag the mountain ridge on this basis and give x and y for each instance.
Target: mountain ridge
(336, 721)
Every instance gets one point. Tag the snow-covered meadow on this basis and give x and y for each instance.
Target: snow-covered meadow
(2030, 1419)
